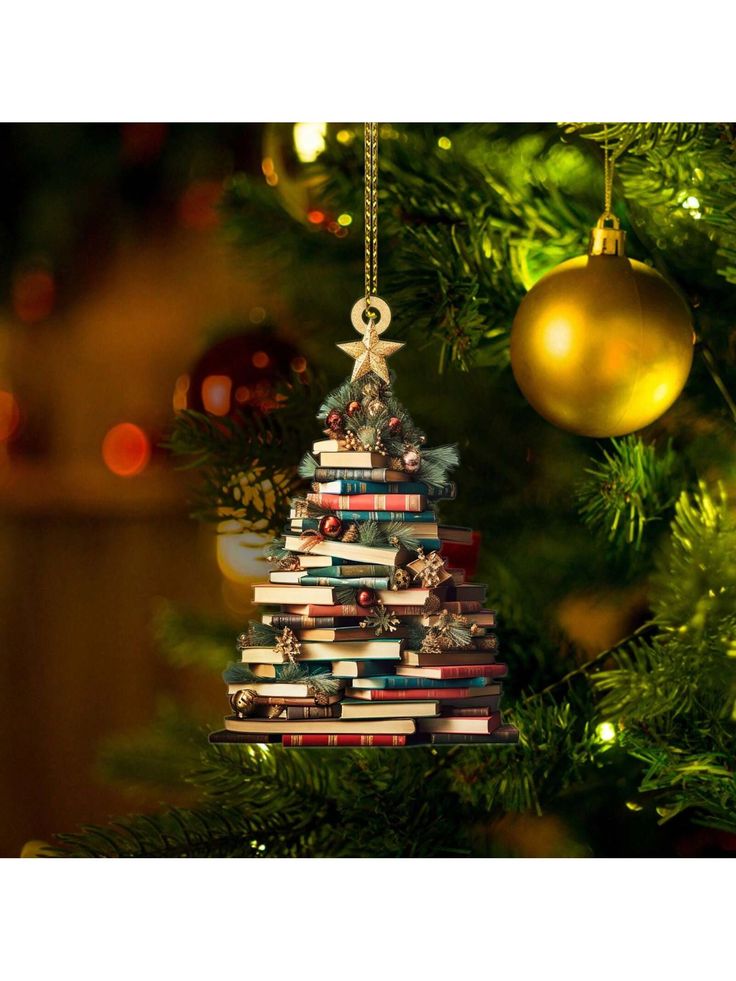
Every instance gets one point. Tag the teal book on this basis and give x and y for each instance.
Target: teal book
(406, 517)
(355, 571)
(366, 582)
(397, 681)
(430, 544)
(446, 492)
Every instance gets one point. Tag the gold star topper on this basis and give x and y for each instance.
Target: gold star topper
(370, 352)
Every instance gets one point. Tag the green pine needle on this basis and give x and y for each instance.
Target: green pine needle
(634, 485)
(308, 466)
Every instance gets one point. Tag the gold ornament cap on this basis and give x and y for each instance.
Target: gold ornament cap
(607, 241)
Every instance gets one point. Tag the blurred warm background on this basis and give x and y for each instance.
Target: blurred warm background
(116, 286)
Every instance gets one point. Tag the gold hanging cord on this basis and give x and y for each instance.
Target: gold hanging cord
(370, 213)
(605, 240)
(371, 315)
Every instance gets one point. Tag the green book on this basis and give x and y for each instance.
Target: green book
(351, 571)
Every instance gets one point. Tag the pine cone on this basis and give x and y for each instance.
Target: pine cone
(351, 535)
(432, 643)
(489, 643)
(432, 604)
(320, 698)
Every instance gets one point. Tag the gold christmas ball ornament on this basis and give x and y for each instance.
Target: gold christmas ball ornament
(602, 345)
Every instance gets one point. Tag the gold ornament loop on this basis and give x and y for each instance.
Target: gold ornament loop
(605, 240)
(378, 312)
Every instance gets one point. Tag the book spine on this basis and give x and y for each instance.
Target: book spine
(352, 571)
(411, 694)
(472, 671)
(465, 712)
(505, 734)
(298, 523)
(296, 621)
(369, 502)
(281, 700)
(402, 681)
(226, 736)
(369, 582)
(492, 703)
(325, 474)
(464, 606)
(299, 712)
(430, 544)
(406, 517)
(369, 487)
(348, 610)
(446, 492)
(344, 739)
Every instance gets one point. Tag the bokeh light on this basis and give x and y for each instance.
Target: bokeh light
(181, 388)
(9, 415)
(309, 140)
(216, 390)
(126, 449)
(240, 556)
(606, 732)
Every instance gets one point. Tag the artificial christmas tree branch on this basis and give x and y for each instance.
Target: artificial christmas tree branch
(712, 366)
(590, 664)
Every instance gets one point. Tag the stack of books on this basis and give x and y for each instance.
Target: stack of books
(367, 637)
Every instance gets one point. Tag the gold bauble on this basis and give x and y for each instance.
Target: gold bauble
(602, 345)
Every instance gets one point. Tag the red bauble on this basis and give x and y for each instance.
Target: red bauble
(366, 597)
(241, 372)
(352, 408)
(330, 526)
(334, 421)
(394, 425)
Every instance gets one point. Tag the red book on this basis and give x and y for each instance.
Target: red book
(464, 606)
(408, 694)
(369, 502)
(346, 739)
(454, 671)
(456, 712)
(355, 611)
(464, 556)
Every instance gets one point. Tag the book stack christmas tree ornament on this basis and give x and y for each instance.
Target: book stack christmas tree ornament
(368, 638)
